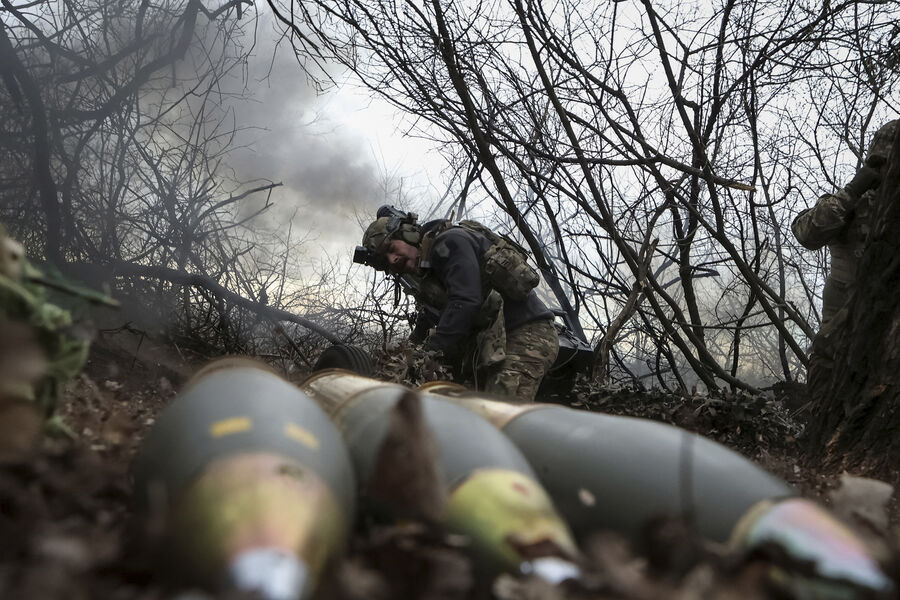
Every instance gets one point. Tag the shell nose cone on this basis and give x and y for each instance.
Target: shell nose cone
(551, 569)
(272, 573)
(808, 533)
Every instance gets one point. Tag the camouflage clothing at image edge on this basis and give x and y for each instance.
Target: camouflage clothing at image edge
(843, 222)
(24, 303)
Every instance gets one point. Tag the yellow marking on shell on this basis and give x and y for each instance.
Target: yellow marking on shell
(230, 426)
(304, 436)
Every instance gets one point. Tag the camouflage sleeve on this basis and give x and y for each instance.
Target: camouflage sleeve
(816, 226)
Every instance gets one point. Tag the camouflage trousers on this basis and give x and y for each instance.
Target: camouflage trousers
(530, 352)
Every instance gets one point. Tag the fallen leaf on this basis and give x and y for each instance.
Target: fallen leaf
(112, 386)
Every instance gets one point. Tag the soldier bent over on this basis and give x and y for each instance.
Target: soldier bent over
(488, 319)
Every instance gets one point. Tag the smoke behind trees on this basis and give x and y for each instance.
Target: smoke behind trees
(654, 154)
(620, 144)
(292, 131)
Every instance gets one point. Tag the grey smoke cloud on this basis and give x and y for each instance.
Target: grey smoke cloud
(319, 145)
(327, 169)
(291, 134)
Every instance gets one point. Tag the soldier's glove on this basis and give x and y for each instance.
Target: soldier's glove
(866, 179)
(876, 161)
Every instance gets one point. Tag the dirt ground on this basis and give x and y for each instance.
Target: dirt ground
(67, 531)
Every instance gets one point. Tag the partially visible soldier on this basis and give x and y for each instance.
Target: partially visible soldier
(842, 220)
(49, 355)
(489, 321)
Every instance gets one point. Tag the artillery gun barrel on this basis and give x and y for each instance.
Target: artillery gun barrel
(252, 480)
(494, 499)
(618, 473)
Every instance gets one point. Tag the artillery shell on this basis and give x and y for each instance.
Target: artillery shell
(494, 499)
(618, 473)
(253, 481)
(811, 535)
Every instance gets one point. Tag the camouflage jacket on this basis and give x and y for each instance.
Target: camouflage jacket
(23, 303)
(841, 222)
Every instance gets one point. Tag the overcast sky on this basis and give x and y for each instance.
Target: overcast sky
(334, 152)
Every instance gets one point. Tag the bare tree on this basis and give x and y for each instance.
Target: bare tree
(601, 132)
(854, 423)
(114, 162)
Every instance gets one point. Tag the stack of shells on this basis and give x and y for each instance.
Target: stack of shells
(256, 480)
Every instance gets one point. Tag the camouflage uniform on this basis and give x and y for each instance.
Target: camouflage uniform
(509, 344)
(842, 221)
(23, 303)
(530, 352)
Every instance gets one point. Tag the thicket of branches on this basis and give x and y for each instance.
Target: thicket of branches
(114, 168)
(652, 155)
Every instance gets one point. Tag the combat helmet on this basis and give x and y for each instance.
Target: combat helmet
(880, 149)
(391, 224)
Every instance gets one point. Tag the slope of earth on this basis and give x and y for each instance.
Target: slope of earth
(66, 529)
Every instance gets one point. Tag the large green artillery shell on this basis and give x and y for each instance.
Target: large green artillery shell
(618, 473)
(494, 499)
(251, 479)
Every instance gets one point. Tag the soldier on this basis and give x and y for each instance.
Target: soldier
(488, 320)
(842, 221)
(47, 353)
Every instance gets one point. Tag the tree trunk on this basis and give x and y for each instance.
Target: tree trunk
(856, 416)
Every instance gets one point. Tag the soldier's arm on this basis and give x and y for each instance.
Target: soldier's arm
(817, 226)
(456, 264)
(820, 224)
